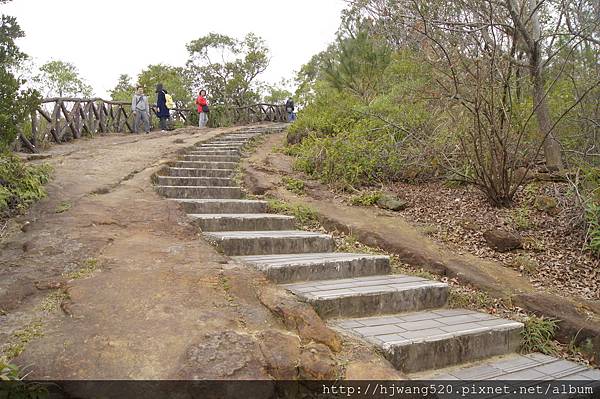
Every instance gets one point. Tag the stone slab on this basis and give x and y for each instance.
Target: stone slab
(371, 295)
(203, 206)
(291, 268)
(435, 340)
(242, 222)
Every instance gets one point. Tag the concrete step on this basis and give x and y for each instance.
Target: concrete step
(237, 137)
(217, 147)
(292, 268)
(211, 158)
(371, 295)
(271, 242)
(206, 165)
(203, 206)
(530, 367)
(195, 172)
(214, 152)
(228, 145)
(196, 181)
(242, 222)
(229, 142)
(199, 192)
(434, 339)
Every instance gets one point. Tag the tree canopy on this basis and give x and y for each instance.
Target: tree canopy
(60, 78)
(228, 68)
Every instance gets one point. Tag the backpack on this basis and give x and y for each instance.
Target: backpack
(169, 101)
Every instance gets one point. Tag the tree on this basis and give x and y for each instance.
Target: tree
(15, 104)
(123, 90)
(358, 65)
(278, 93)
(231, 79)
(173, 79)
(527, 33)
(60, 78)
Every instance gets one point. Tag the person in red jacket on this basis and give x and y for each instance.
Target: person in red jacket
(202, 109)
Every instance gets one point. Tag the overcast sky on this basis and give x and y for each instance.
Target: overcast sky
(105, 38)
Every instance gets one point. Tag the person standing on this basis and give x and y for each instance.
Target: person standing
(141, 110)
(202, 109)
(161, 103)
(289, 107)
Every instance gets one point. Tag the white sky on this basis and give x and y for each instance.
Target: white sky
(105, 38)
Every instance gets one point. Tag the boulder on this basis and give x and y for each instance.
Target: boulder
(391, 203)
(281, 352)
(317, 363)
(502, 240)
(300, 317)
(546, 204)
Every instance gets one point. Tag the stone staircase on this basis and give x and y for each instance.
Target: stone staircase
(404, 317)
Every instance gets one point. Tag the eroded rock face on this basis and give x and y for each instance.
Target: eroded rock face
(502, 240)
(224, 355)
(281, 352)
(391, 203)
(300, 317)
(317, 363)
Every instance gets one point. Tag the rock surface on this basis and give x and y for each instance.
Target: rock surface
(300, 317)
(391, 203)
(502, 240)
(317, 363)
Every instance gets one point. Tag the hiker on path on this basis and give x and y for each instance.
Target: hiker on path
(202, 109)
(141, 110)
(289, 107)
(161, 103)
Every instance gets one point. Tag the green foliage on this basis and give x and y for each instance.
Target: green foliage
(231, 81)
(358, 65)
(60, 78)
(306, 217)
(20, 184)
(294, 185)
(173, 79)
(367, 198)
(521, 217)
(8, 371)
(124, 89)
(15, 104)
(538, 335)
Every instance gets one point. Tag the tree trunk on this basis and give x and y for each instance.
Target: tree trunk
(552, 151)
(540, 103)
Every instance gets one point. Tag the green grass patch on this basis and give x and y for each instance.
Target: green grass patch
(21, 338)
(592, 216)
(521, 218)
(296, 186)
(62, 207)
(467, 298)
(53, 300)
(306, 217)
(21, 184)
(88, 268)
(366, 198)
(538, 335)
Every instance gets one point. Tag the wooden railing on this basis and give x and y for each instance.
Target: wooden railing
(64, 119)
(260, 113)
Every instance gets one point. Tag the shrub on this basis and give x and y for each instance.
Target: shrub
(20, 184)
(368, 198)
(294, 185)
(305, 217)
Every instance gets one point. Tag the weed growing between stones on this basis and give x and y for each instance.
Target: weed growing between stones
(538, 335)
(19, 340)
(88, 268)
(53, 300)
(63, 207)
(306, 217)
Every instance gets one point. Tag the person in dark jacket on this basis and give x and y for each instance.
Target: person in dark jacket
(290, 108)
(161, 103)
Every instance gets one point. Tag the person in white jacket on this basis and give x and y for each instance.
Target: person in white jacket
(141, 110)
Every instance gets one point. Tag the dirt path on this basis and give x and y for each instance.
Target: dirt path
(104, 279)
(389, 231)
